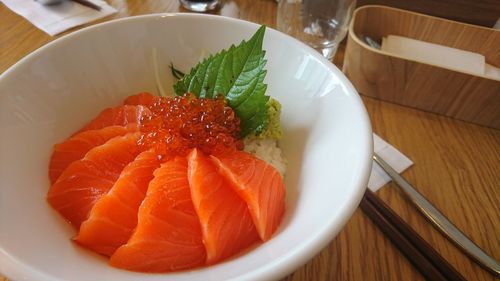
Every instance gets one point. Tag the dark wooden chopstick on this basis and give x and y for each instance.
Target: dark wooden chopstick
(425, 259)
(88, 4)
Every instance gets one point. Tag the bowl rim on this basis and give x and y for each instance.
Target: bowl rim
(286, 264)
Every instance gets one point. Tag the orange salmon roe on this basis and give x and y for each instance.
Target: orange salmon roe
(181, 123)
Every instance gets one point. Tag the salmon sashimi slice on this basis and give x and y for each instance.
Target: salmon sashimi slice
(121, 116)
(145, 99)
(114, 217)
(168, 234)
(259, 184)
(226, 223)
(86, 180)
(77, 146)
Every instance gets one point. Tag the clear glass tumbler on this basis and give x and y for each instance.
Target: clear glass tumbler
(200, 5)
(321, 24)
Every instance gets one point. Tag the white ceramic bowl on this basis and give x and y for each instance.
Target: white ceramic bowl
(56, 89)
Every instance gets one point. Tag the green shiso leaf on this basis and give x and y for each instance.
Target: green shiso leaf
(238, 74)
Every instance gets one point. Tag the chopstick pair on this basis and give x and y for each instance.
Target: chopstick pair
(423, 257)
(88, 4)
(85, 3)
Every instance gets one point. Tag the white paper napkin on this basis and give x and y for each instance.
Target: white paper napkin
(397, 160)
(55, 19)
(439, 55)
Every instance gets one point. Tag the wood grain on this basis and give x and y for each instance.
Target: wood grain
(456, 167)
(480, 12)
(427, 87)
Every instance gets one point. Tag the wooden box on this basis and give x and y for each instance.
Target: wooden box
(423, 86)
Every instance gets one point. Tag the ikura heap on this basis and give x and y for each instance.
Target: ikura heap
(184, 122)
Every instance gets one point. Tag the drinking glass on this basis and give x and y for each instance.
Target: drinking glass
(200, 5)
(322, 24)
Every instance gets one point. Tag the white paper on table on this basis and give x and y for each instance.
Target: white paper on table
(397, 160)
(54, 19)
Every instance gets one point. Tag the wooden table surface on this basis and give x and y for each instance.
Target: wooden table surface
(457, 166)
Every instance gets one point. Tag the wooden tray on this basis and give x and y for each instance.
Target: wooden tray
(427, 87)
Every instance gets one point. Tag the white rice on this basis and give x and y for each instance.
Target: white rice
(267, 150)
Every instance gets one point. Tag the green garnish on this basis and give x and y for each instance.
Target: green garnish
(175, 72)
(238, 74)
(273, 130)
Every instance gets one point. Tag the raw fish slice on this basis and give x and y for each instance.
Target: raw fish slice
(145, 99)
(114, 217)
(87, 179)
(77, 146)
(121, 116)
(225, 220)
(168, 234)
(259, 184)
